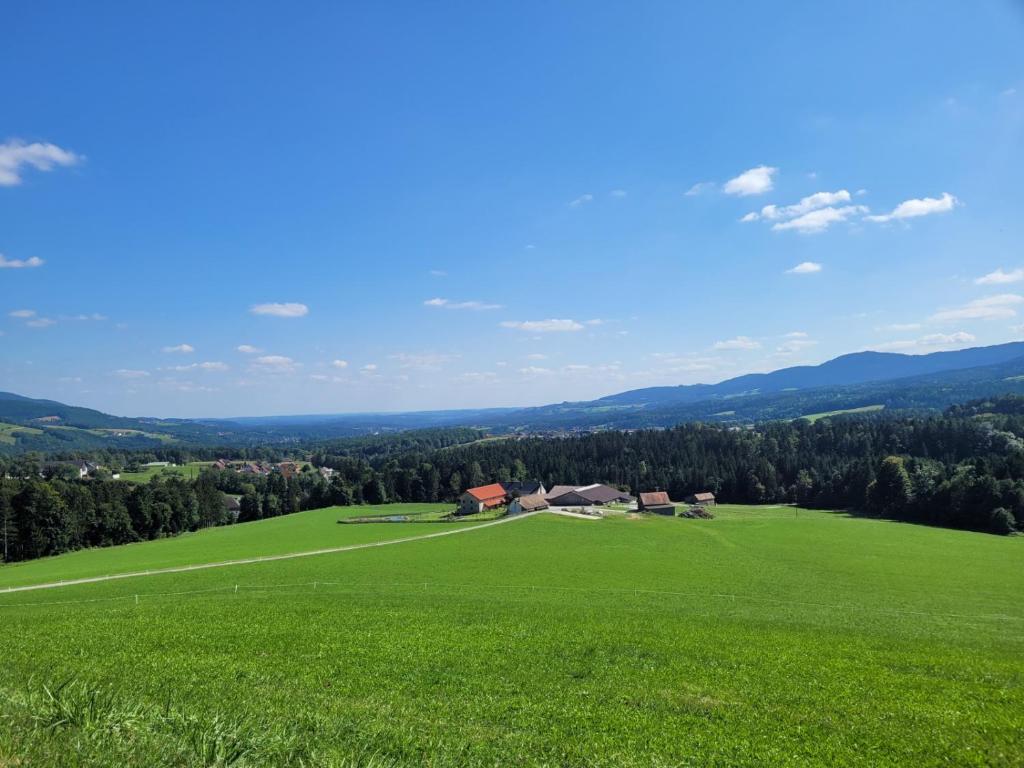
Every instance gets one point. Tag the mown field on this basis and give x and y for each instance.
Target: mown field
(763, 637)
(190, 471)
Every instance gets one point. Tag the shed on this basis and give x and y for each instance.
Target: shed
(531, 503)
(595, 494)
(656, 502)
(704, 499)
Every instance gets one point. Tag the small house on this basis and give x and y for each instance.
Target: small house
(483, 497)
(656, 502)
(529, 503)
(705, 499)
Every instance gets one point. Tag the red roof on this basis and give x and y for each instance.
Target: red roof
(487, 492)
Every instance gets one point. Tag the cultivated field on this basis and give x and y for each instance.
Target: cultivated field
(763, 637)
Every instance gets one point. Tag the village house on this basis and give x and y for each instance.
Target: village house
(704, 499)
(483, 497)
(656, 502)
(595, 494)
(529, 503)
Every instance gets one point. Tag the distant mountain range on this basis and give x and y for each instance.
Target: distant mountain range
(863, 380)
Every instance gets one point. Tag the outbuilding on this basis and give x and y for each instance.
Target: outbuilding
(656, 502)
(594, 495)
(705, 499)
(531, 503)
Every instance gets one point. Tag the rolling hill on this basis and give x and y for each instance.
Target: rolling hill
(859, 381)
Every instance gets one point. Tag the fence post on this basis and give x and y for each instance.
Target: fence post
(236, 589)
(136, 599)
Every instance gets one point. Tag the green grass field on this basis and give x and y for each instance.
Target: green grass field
(763, 637)
(813, 417)
(190, 471)
(8, 432)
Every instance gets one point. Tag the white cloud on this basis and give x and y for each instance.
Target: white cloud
(319, 377)
(40, 322)
(537, 356)
(998, 306)
(543, 326)
(900, 327)
(287, 309)
(805, 268)
(820, 219)
(534, 370)
(212, 365)
(339, 363)
(16, 154)
(31, 261)
(1000, 278)
(755, 181)
(94, 316)
(248, 349)
(369, 368)
(423, 361)
(438, 273)
(700, 188)
(928, 342)
(448, 304)
(797, 335)
(806, 205)
(22, 313)
(946, 339)
(740, 342)
(794, 344)
(581, 200)
(181, 349)
(129, 373)
(275, 364)
(925, 206)
(617, 193)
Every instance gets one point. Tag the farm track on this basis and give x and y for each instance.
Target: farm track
(262, 559)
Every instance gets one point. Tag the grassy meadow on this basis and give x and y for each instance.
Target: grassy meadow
(763, 637)
(190, 471)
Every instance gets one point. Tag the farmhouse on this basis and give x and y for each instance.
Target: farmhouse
(483, 497)
(705, 499)
(585, 495)
(657, 502)
(529, 503)
(516, 488)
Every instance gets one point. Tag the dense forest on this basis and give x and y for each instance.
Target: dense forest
(963, 469)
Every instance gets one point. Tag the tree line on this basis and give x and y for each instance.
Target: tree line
(963, 469)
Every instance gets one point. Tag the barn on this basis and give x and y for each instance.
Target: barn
(705, 499)
(595, 494)
(480, 498)
(530, 503)
(656, 502)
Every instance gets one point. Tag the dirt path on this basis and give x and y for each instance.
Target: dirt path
(263, 559)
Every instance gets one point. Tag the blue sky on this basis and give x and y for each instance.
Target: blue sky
(257, 208)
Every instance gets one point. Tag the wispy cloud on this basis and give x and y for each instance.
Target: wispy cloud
(700, 188)
(738, 343)
(183, 349)
(211, 365)
(15, 155)
(339, 363)
(618, 193)
(806, 205)
(755, 181)
(22, 313)
(805, 268)
(998, 306)
(275, 309)
(40, 322)
(248, 349)
(581, 200)
(29, 263)
(820, 219)
(928, 342)
(543, 326)
(423, 361)
(438, 273)
(1000, 278)
(130, 373)
(924, 206)
(274, 364)
(449, 304)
